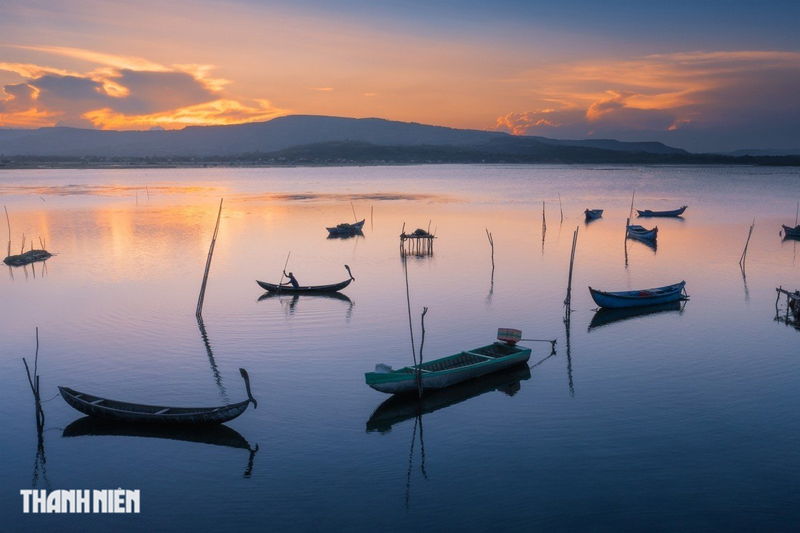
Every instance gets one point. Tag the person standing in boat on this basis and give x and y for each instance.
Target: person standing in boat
(292, 280)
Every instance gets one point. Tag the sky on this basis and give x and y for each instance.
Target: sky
(701, 75)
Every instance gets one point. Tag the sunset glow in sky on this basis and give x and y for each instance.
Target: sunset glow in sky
(697, 75)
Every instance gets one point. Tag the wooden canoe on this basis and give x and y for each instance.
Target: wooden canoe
(673, 213)
(641, 233)
(156, 414)
(311, 289)
(447, 371)
(593, 214)
(346, 229)
(400, 408)
(791, 233)
(655, 296)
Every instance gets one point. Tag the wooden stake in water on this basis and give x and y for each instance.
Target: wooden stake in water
(743, 259)
(544, 222)
(560, 208)
(568, 299)
(354, 211)
(630, 214)
(8, 221)
(199, 311)
(410, 325)
(491, 242)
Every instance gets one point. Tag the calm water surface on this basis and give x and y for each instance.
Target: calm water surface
(685, 419)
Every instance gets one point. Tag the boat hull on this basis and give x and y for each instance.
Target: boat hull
(593, 214)
(655, 296)
(284, 289)
(347, 230)
(404, 381)
(642, 234)
(791, 233)
(673, 213)
(150, 414)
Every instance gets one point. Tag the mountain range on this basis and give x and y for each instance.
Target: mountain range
(309, 138)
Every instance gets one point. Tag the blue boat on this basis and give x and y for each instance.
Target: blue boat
(593, 214)
(655, 296)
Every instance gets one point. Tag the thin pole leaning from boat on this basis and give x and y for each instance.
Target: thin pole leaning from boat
(421, 345)
(286, 264)
(199, 310)
(408, 301)
(743, 259)
(354, 211)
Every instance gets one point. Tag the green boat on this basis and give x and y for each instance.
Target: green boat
(447, 371)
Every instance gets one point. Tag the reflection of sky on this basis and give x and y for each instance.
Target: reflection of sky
(659, 397)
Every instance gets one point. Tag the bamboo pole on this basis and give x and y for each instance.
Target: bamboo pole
(421, 345)
(354, 211)
(408, 301)
(8, 221)
(544, 222)
(199, 311)
(491, 242)
(630, 214)
(560, 207)
(743, 259)
(568, 299)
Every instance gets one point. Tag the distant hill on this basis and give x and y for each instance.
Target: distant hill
(283, 133)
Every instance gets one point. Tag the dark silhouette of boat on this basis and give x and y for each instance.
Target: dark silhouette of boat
(673, 213)
(288, 289)
(97, 406)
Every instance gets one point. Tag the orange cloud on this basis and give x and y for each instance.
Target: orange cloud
(125, 92)
(663, 92)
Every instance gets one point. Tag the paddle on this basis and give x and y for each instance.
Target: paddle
(284, 269)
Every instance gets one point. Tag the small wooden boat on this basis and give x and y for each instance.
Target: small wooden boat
(673, 213)
(791, 233)
(639, 232)
(346, 229)
(288, 289)
(156, 414)
(658, 295)
(400, 408)
(593, 214)
(447, 371)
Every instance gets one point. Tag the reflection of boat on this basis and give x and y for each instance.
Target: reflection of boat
(288, 289)
(344, 236)
(219, 435)
(346, 229)
(329, 295)
(448, 371)
(604, 317)
(791, 233)
(400, 408)
(641, 233)
(658, 295)
(156, 414)
(593, 214)
(673, 213)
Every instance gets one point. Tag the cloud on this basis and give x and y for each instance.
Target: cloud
(697, 91)
(322, 89)
(123, 93)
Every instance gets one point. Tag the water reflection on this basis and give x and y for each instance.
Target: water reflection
(214, 370)
(354, 235)
(652, 244)
(605, 317)
(289, 302)
(217, 435)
